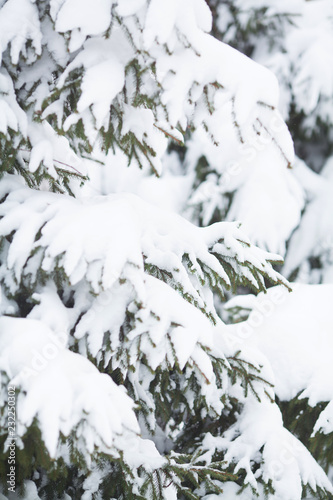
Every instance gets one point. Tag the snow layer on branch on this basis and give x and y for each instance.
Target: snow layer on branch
(294, 331)
(105, 247)
(181, 77)
(314, 236)
(163, 17)
(257, 443)
(103, 239)
(179, 64)
(302, 59)
(249, 182)
(133, 67)
(177, 337)
(285, 460)
(294, 40)
(190, 328)
(52, 150)
(11, 114)
(63, 390)
(111, 250)
(90, 18)
(19, 24)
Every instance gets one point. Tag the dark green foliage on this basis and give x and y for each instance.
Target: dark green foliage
(300, 418)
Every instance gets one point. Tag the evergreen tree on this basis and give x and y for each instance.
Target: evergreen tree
(294, 39)
(127, 383)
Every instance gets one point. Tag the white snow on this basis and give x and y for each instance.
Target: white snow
(134, 230)
(294, 331)
(314, 236)
(136, 277)
(19, 23)
(105, 80)
(91, 18)
(58, 387)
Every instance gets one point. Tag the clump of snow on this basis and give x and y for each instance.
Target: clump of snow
(294, 331)
(90, 19)
(314, 236)
(135, 235)
(285, 461)
(62, 389)
(19, 24)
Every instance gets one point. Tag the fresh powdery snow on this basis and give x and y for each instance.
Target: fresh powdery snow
(128, 383)
(79, 243)
(314, 236)
(294, 331)
(35, 359)
(287, 463)
(19, 22)
(294, 40)
(68, 233)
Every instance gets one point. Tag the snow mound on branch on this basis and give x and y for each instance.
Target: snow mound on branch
(63, 390)
(19, 24)
(89, 18)
(52, 150)
(104, 239)
(239, 186)
(120, 48)
(11, 116)
(285, 460)
(294, 331)
(314, 236)
(189, 76)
